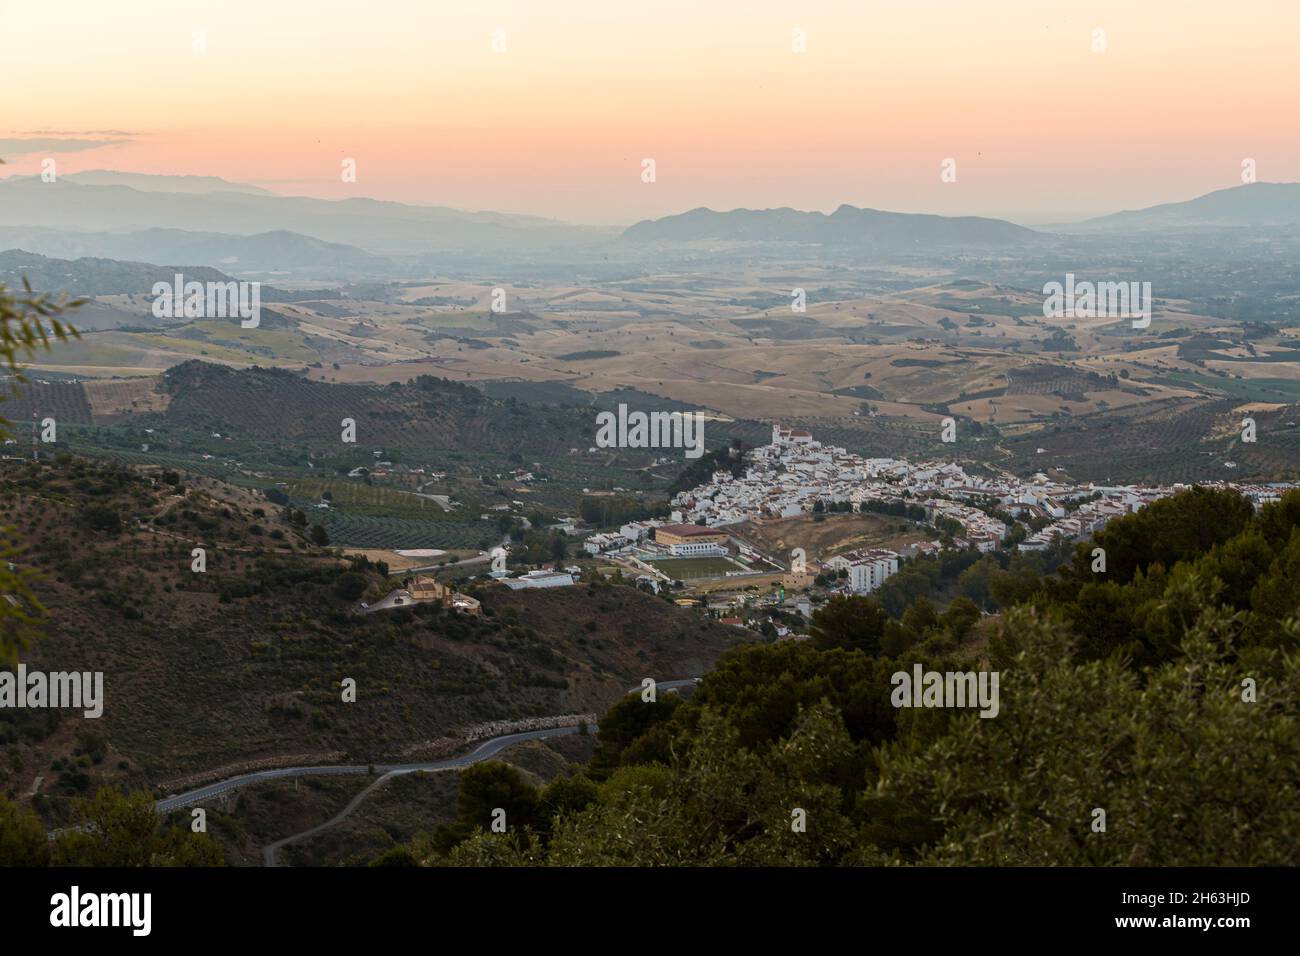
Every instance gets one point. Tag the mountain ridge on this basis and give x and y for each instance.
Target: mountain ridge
(380, 227)
(274, 251)
(846, 225)
(1249, 204)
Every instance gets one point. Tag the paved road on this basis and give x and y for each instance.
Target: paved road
(271, 852)
(488, 748)
(483, 751)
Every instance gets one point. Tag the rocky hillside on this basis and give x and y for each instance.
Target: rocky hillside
(243, 662)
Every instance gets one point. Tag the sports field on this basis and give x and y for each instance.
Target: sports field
(686, 568)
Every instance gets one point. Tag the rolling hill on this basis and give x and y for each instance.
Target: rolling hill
(156, 183)
(96, 276)
(268, 252)
(279, 405)
(1255, 204)
(847, 225)
(243, 662)
(374, 225)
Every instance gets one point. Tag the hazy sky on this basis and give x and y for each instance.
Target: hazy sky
(1042, 128)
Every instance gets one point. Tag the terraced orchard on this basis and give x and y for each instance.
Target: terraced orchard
(374, 531)
(360, 498)
(1168, 442)
(425, 413)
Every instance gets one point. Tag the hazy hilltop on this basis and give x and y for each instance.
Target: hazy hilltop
(90, 276)
(847, 225)
(248, 232)
(98, 276)
(1254, 204)
(157, 183)
(378, 226)
(279, 251)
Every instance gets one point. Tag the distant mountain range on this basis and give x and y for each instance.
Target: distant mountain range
(248, 232)
(260, 256)
(379, 227)
(1255, 204)
(151, 182)
(846, 225)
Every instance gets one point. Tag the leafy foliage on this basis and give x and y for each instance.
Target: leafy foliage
(27, 323)
(111, 829)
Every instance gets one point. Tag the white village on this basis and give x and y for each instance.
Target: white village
(796, 474)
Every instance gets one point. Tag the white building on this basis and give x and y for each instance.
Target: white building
(697, 549)
(636, 531)
(604, 542)
(868, 569)
(539, 579)
(790, 436)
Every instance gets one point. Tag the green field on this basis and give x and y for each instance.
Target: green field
(685, 568)
(359, 498)
(1276, 390)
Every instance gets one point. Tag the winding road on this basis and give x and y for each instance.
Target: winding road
(486, 749)
(483, 751)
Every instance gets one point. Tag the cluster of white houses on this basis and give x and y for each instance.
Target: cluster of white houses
(789, 476)
(867, 569)
(634, 532)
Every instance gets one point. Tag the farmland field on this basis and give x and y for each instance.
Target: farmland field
(356, 497)
(1279, 390)
(371, 531)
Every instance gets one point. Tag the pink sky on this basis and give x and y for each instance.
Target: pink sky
(1041, 127)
